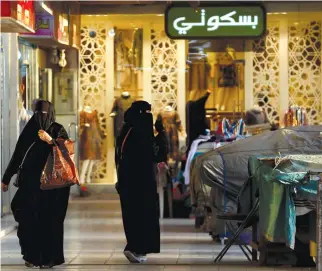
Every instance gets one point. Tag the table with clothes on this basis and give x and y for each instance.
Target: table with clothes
(287, 197)
(224, 171)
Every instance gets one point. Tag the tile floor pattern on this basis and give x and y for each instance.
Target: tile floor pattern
(94, 240)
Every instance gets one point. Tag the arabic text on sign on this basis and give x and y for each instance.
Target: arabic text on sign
(214, 22)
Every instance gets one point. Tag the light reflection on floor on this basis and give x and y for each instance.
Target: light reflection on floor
(94, 240)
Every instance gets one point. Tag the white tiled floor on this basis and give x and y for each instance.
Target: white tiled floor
(94, 240)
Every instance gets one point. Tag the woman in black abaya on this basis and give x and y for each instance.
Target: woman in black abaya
(40, 214)
(135, 162)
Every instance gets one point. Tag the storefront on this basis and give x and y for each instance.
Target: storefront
(16, 17)
(126, 55)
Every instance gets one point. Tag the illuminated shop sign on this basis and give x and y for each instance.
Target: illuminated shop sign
(206, 22)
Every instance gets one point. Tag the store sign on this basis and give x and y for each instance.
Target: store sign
(22, 11)
(44, 25)
(62, 32)
(183, 22)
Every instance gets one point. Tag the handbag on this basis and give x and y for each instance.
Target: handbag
(60, 170)
(18, 176)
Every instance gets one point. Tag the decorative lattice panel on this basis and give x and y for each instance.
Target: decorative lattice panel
(304, 54)
(164, 71)
(93, 81)
(266, 72)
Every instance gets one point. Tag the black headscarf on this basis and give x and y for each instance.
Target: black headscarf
(139, 118)
(44, 114)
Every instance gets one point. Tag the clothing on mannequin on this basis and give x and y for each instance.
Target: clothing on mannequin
(91, 136)
(172, 125)
(121, 104)
(196, 119)
(295, 116)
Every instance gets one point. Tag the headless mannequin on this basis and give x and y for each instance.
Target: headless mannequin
(87, 164)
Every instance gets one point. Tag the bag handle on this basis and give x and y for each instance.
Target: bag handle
(24, 158)
(125, 138)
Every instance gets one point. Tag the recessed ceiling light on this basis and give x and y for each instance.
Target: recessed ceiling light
(160, 15)
(284, 13)
(276, 13)
(269, 13)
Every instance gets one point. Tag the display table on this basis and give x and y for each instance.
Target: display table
(285, 192)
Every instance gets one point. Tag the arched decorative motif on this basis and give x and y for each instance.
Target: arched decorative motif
(164, 71)
(266, 72)
(93, 82)
(304, 55)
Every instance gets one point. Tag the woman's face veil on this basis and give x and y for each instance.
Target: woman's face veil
(44, 114)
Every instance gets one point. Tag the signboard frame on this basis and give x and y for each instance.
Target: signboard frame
(215, 5)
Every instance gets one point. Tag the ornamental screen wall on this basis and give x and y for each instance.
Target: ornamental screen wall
(287, 68)
(93, 80)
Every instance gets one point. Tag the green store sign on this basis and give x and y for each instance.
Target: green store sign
(207, 22)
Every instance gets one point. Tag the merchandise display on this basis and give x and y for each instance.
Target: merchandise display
(172, 125)
(91, 136)
(121, 104)
(196, 118)
(295, 116)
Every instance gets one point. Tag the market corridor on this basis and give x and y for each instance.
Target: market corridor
(94, 240)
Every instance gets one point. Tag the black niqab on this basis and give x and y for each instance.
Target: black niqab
(44, 114)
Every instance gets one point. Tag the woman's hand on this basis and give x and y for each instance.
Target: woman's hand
(4, 187)
(44, 136)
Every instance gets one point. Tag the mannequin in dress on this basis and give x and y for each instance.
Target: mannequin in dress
(172, 125)
(91, 137)
(121, 104)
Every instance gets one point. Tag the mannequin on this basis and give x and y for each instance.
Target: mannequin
(91, 137)
(196, 118)
(121, 104)
(172, 125)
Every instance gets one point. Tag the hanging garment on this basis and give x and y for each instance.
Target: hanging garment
(198, 75)
(172, 125)
(91, 136)
(192, 152)
(119, 107)
(227, 76)
(196, 119)
(135, 161)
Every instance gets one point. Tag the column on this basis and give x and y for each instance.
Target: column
(146, 63)
(283, 66)
(181, 73)
(249, 89)
(109, 100)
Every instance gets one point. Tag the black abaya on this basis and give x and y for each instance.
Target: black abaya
(137, 183)
(40, 214)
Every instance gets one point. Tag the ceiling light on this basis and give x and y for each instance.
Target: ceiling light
(284, 13)
(269, 13)
(160, 15)
(276, 13)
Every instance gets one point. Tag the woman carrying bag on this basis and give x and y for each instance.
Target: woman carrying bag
(38, 208)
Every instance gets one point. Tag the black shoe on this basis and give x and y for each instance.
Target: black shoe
(132, 257)
(28, 264)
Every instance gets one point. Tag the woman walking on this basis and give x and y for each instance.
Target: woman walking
(40, 214)
(135, 160)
